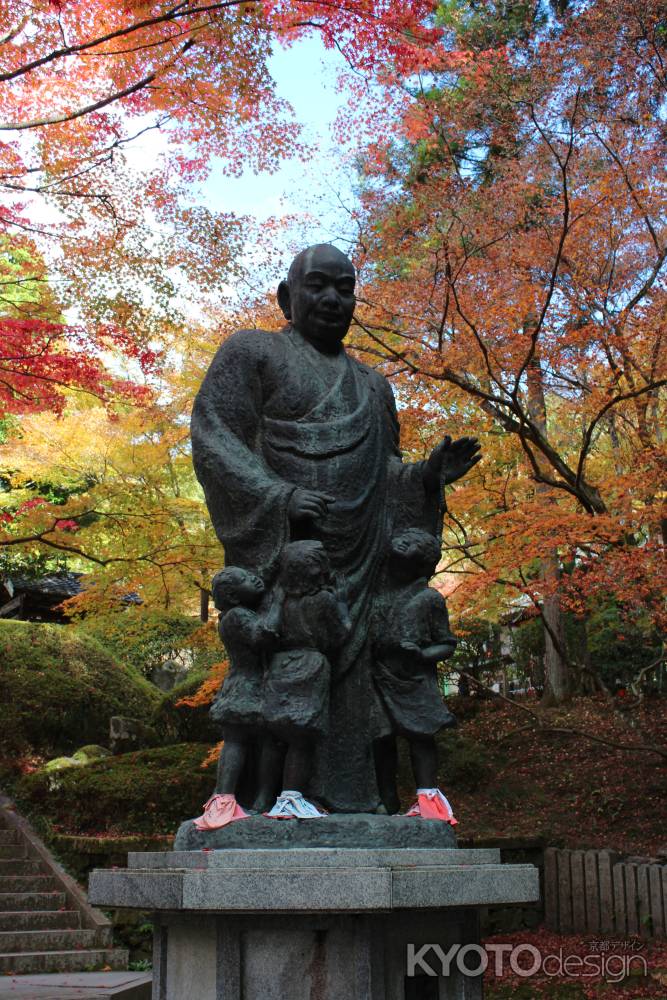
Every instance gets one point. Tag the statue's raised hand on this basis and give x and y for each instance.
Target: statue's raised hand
(450, 460)
(308, 504)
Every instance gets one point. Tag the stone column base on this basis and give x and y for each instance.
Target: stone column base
(299, 957)
(315, 923)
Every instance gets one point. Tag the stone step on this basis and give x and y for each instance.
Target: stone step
(35, 920)
(9, 837)
(51, 940)
(11, 851)
(63, 961)
(27, 883)
(20, 866)
(32, 900)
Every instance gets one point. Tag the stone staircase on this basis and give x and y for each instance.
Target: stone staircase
(46, 922)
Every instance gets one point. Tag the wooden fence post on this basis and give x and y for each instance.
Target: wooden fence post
(551, 888)
(578, 891)
(564, 892)
(592, 892)
(606, 892)
(619, 898)
(644, 901)
(655, 874)
(631, 901)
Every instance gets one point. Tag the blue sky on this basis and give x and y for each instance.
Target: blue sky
(305, 75)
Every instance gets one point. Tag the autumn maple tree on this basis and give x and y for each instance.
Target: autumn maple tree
(101, 245)
(511, 250)
(512, 243)
(114, 493)
(80, 87)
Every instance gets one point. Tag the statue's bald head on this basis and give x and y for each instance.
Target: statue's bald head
(318, 296)
(320, 253)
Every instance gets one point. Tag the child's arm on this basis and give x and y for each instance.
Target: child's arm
(336, 615)
(274, 612)
(429, 654)
(438, 651)
(428, 612)
(442, 641)
(252, 629)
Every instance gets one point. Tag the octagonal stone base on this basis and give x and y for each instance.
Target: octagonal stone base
(315, 923)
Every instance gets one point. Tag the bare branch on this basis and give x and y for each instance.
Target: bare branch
(565, 228)
(605, 409)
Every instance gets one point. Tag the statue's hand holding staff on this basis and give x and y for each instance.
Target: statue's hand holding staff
(450, 460)
(308, 504)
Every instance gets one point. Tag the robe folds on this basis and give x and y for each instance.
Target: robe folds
(274, 414)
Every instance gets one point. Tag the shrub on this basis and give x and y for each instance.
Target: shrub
(150, 791)
(185, 723)
(59, 689)
(145, 637)
(464, 763)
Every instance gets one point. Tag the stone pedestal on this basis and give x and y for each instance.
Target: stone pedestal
(315, 923)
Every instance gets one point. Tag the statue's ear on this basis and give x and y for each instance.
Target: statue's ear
(284, 300)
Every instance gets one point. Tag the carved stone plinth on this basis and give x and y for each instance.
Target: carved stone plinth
(312, 923)
(340, 830)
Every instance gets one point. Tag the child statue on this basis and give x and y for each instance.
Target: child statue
(249, 636)
(314, 623)
(411, 636)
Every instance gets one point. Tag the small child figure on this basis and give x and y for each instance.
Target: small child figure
(314, 624)
(411, 636)
(248, 637)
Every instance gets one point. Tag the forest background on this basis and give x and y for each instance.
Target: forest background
(506, 210)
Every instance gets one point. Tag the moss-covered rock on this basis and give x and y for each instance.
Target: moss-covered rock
(86, 755)
(149, 791)
(59, 689)
(127, 735)
(61, 764)
(90, 752)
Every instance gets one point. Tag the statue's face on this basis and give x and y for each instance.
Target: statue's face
(415, 549)
(305, 566)
(237, 586)
(249, 588)
(315, 567)
(321, 296)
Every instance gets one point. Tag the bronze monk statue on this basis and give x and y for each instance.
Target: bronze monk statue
(294, 439)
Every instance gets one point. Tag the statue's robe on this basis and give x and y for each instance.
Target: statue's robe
(274, 414)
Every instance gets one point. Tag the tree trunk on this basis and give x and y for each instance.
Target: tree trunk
(556, 669)
(203, 604)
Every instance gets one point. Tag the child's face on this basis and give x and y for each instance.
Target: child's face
(317, 573)
(404, 547)
(249, 589)
(306, 568)
(409, 551)
(239, 587)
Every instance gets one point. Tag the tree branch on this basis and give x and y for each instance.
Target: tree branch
(103, 103)
(605, 409)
